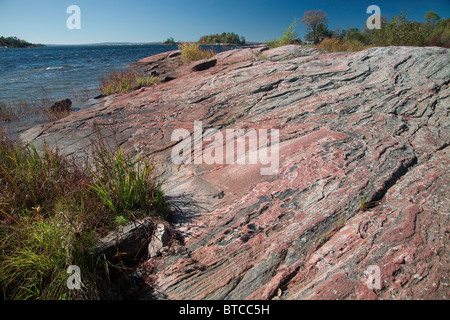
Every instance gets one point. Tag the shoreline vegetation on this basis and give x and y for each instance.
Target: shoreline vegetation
(192, 52)
(53, 208)
(14, 42)
(29, 110)
(123, 81)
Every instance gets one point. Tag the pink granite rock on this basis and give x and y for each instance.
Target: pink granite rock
(370, 126)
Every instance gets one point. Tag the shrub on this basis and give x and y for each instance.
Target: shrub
(440, 34)
(192, 52)
(289, 37)
(330, 44)
(399, 32)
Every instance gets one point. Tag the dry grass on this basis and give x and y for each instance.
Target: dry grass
(123, 81)
(38, 110)
(26, 111)
(336, 45)
(192, 52)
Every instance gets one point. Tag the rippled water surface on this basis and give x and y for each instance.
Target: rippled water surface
(63, 71)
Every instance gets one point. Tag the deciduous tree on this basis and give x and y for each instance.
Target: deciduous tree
(316, 21)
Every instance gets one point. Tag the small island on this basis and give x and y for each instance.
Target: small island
(215, 39)
(170, 41)
(224, 38)
(14, 42)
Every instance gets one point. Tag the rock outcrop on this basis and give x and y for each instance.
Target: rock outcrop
(61, 106)
(363, 177)
(127, 244)
(164, 65)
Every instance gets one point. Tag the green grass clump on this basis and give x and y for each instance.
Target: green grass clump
(124, 184)
(365, 204)
(192, 52)
(124, 81)
(53, 208)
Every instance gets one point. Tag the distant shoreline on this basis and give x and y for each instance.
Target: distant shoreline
(16, 43)
(27, 47)
(141, 44)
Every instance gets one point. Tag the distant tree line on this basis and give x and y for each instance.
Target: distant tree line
(402, 32)
(398, 32)
(226, 37)
(14, 42)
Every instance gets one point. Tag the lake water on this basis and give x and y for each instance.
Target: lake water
(62, 71)
(32, 75)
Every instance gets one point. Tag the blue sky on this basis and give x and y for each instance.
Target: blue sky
(44, 21)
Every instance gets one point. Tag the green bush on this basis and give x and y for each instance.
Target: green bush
(399, 32)
(126, 185)
(289, 37)
(440, 34)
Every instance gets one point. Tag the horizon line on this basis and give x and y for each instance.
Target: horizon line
(129, 43)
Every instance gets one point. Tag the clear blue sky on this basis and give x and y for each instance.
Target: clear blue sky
(44, 21)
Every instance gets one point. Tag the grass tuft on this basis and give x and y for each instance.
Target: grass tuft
(365, 204)
(125, 184)
(192, 52)
(124, 81)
